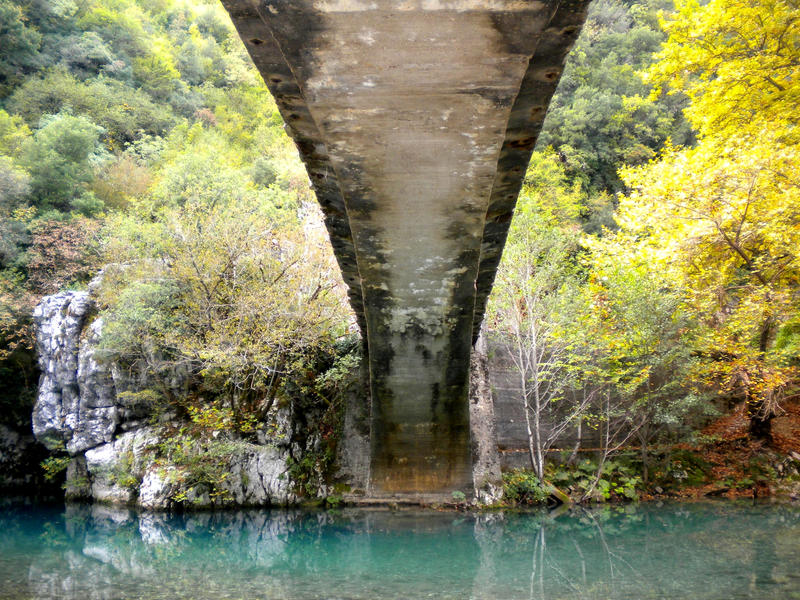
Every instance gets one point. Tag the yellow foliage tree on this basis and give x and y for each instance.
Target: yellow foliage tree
(739, 63)
(219, 280)
(723, 217)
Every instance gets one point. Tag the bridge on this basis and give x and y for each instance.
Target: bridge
(416, 120)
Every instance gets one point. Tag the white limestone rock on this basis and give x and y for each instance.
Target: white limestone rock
(115, 468)
(486, 476)
(123, 472)
(81, 407)
(75, 407)
(259, 476)
(155, 490)
(58, 320)
(97, 416)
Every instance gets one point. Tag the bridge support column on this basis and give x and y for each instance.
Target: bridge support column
(416, 120)
(420, 413)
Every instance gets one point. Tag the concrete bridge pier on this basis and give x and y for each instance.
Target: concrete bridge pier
(416, 120)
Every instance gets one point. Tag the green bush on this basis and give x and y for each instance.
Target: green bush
(200, 462)
(683, 468)
(123, 473)
(618, 480)
(88, 204)
(54, 466)
(523, 487)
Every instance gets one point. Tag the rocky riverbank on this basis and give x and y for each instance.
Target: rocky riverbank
(119, 448)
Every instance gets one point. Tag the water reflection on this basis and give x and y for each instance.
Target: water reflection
(683, 551)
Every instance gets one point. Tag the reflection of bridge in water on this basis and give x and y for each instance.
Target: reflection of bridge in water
(416, 120)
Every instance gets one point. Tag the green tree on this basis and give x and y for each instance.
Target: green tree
(20, 44)
(125, 113)
(120, 24)
(222, 282)
(156, 73)
(13, 132)
(602, 115)
(14, 235)
(536, 301)
(60, 158)
(642, 349)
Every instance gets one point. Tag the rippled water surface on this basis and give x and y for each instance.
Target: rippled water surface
(694, 551)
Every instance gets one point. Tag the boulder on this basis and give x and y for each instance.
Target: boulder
(115, 468)
(124, 472)
(259, 476)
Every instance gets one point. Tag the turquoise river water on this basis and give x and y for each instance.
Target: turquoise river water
(695, 551)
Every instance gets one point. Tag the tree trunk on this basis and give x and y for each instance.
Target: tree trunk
(643, 451)
(760, 423)
(537, 432)
(757, 410)
(526, 411)
(574, 456)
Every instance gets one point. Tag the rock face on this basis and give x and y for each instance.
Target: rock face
(120, 453)
(75, 405)
(124, 472)
(354, 449)
(486, 477)
(20, 456)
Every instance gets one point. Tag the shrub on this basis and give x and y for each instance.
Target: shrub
(618, 480)
(523, 487)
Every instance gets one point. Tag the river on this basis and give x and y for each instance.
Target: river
(711, 550)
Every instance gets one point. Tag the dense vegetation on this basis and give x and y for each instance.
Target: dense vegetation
(139, 135)
(687, 302)
(650, 277)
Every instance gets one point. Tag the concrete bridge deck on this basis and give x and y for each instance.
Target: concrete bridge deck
(416, 120)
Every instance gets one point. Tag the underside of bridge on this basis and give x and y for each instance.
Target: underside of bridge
(416, 120)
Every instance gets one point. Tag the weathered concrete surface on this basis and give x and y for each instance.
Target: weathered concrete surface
(415, 119)
(509, 416)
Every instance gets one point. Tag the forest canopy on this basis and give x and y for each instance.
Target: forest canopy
(137, 136)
